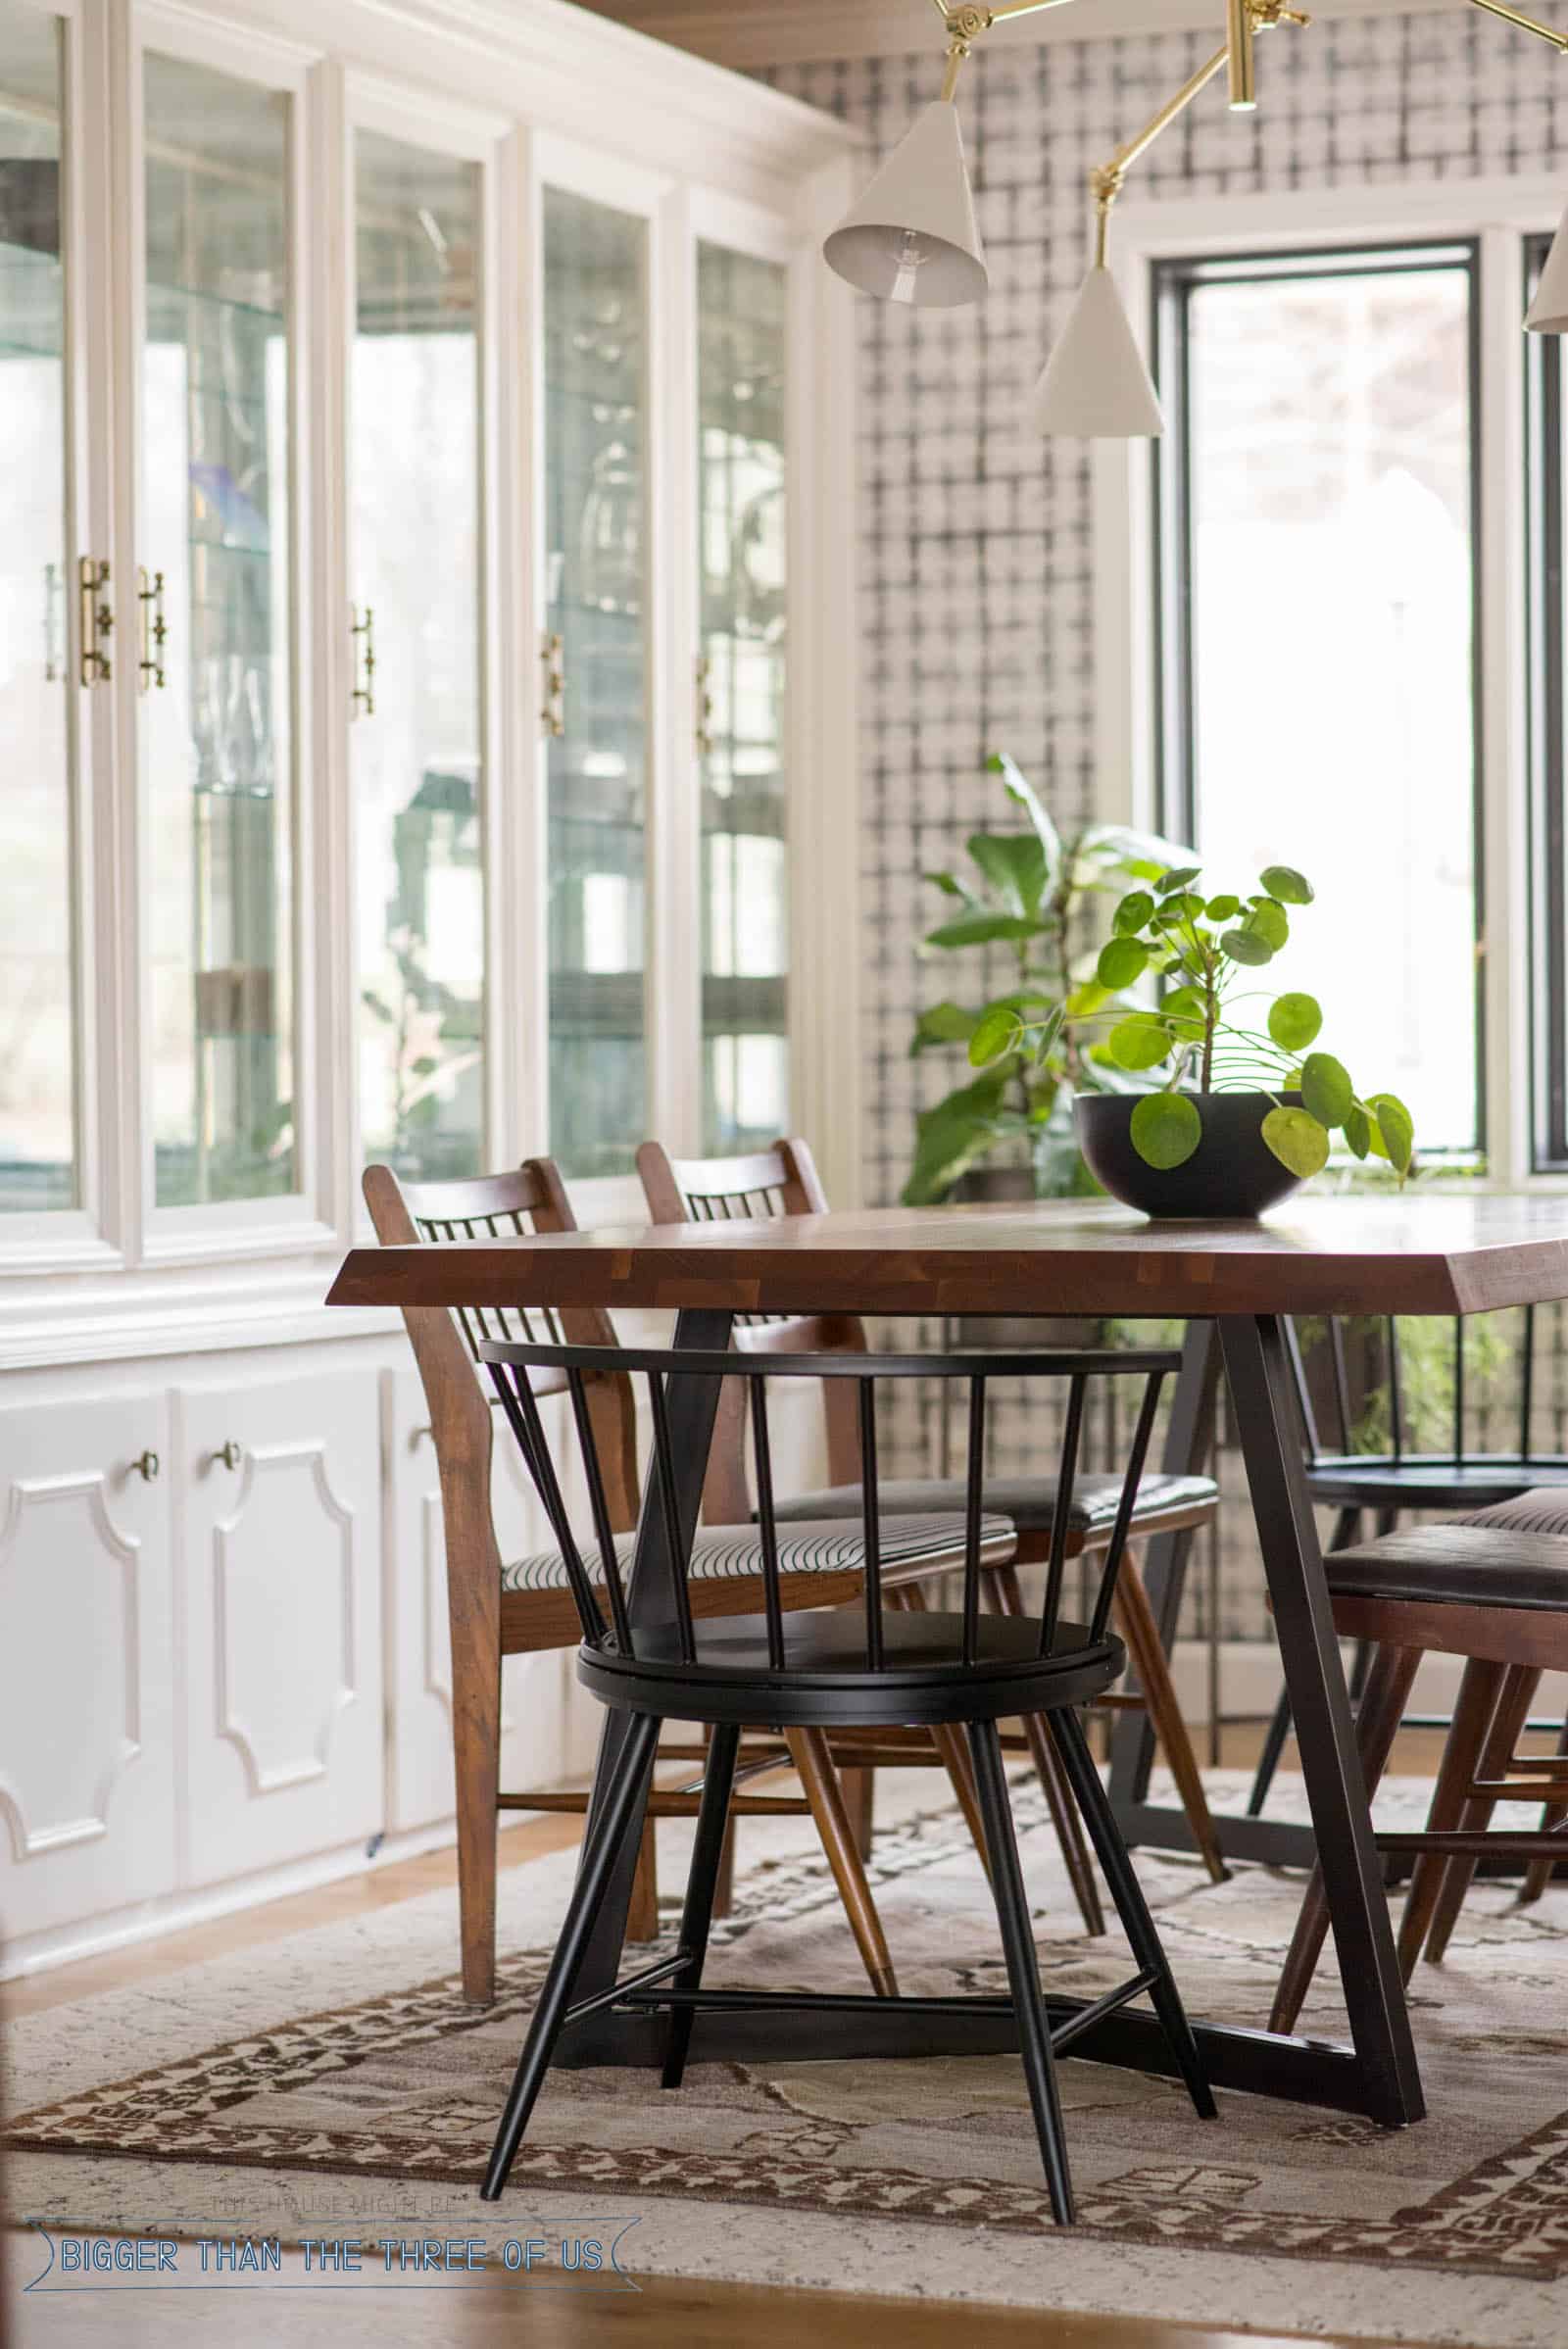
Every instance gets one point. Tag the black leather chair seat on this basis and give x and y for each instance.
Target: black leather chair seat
(1490, 1563)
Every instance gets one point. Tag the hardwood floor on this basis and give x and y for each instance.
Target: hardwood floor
(498, 2314)
(659, 2314)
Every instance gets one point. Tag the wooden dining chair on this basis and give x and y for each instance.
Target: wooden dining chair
(1369, 1454)
(1491, 1587)
(784, 1181)
(830, 1669)
(498, 1607)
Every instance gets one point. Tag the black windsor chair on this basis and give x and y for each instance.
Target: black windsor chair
(1352, 1377)
(860, 1665)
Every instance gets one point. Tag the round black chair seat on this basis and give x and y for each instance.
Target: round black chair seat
(1418, 1483)
(826, 1680)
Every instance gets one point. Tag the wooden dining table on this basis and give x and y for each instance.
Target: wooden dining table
(1233, 1283)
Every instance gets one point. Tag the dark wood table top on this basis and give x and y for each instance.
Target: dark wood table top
(1433, 1253)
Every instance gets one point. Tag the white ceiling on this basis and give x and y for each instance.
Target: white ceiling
(748, 33)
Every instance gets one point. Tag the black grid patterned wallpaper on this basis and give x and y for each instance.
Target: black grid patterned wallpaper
(977, 596)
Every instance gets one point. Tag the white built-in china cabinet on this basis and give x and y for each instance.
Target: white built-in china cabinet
(426, 617)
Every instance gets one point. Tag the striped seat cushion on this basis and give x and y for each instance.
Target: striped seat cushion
(1029, 1500)
(1543, 1511)
(734, 1553)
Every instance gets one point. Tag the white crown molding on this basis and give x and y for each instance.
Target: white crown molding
(748, 34)
(567, 70)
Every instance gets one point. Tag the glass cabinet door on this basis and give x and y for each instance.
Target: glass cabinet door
(742, 326)
(216, 542)
(38, 1168)
(596, 604)
(418, 736)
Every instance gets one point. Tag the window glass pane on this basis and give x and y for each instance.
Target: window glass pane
(1545, 702)
(742, 324)
(37, 1046)
(217, 760)
(1329, 426)
(596, 555)
(419, 746)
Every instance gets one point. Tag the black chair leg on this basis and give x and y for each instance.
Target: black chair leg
(600, 1849)
(697, 1916)
(1268, 1761)
(1023, 1967)
(1128, 1893)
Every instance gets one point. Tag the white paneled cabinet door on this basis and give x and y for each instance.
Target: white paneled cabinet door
(280, 1536)
(86, 1649)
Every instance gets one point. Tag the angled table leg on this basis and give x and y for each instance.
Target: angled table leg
(650, 1599)
(1263, 1402)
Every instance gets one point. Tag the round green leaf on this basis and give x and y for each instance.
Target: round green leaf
(1121, 961)
(1294, 1021)
(1358, 1130)
(1178, 877)
(1224, 909)
(1165, 1129)
(1182, 1003)
(1283, 881)
(1269, 921)
(1086, 999)
(1132, 913)
(1326, 1089)
(1394, 1129)
(996, 1032)
(1245, 946)
(1141, 1042)
(1297, 1139)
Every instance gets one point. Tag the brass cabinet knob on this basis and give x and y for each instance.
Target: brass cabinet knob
(146, 1467)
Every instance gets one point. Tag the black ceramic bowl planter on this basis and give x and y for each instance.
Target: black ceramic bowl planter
(1232, 1175)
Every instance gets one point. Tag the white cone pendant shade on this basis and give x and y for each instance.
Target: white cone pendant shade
(1548, 312)
(1095, 385)
(912, 237)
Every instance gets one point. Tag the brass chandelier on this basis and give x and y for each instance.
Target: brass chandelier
(912, 237)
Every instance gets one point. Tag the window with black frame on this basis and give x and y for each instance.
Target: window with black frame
(1544, 527)
(1317, 630)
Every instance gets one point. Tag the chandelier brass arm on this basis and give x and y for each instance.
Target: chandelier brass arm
(1107, 179)
(1511, 16)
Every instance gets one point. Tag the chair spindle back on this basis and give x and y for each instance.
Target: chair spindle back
(521, 1368)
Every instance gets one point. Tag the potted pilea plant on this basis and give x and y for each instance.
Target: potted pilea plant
(1244, 1114)
(1010, 1128)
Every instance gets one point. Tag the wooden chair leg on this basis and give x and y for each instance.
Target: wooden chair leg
(724, 1881)
(1386, 1694)
(642, 1916)
(1147, 1651)
(860, 1800)
(476, 1774)
(1508, 1727)
(1001, 1587)
(1479, 1691)
(1539, 1874)
(813, 1764)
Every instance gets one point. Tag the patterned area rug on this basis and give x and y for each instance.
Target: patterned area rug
(335, 2076)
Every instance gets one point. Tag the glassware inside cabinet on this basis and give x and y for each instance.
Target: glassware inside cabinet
(417, 739)
(38, 1055)
(216, 751)
(742, 329)
(596, 591)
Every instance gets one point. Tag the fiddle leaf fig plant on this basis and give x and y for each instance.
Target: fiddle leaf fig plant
(1199, 948)
(1027, 894)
